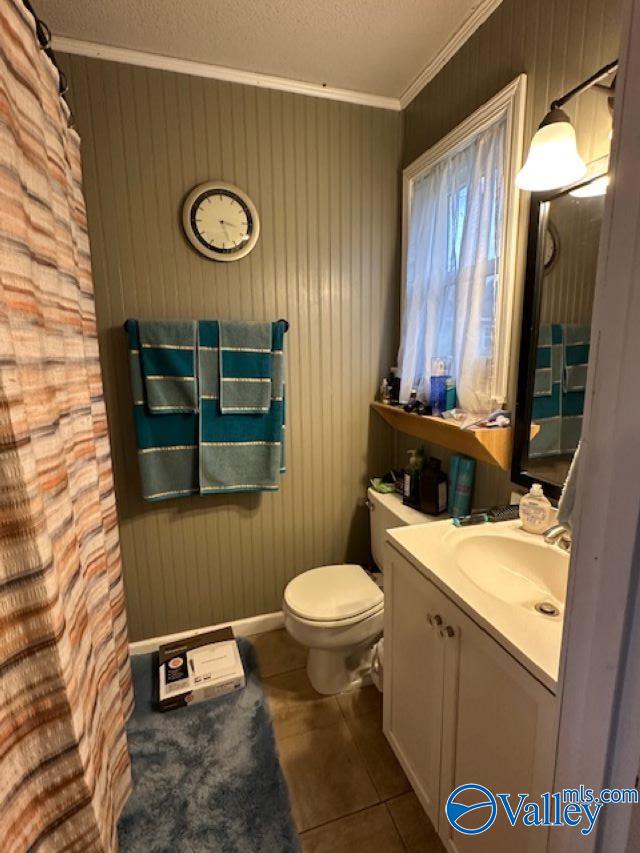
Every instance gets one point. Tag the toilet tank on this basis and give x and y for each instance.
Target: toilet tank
(386, 512)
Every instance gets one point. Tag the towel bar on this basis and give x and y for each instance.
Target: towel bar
(281, 320)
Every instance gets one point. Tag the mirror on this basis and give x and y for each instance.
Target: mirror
(562, 256)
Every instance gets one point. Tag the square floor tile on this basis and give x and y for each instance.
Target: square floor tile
(326, 776)
(387, 775)
(296, 707)
(362, 700)
(278, 652)
(415, 828)
(370, 830)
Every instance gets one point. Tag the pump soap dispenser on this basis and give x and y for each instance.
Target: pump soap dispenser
(534, 510)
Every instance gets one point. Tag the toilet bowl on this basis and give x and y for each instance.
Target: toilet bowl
(337, 611)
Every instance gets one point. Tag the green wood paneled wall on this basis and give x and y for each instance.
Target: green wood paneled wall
(324, 176)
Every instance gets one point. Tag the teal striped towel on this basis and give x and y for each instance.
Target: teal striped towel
(168, 363)
(167, 442)
(183, 453)
(240, 452)
(245, 367)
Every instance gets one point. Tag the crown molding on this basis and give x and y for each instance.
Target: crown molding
(475, 20)
(220, 72)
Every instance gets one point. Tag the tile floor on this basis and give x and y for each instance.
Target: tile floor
(347, 790)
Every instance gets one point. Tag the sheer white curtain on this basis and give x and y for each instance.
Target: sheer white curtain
(454, 243)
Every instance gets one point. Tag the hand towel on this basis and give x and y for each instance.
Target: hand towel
(245, 367)
(546, 409)
(566, 504)
(167, 442)
(168, 362)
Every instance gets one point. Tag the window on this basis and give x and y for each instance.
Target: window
(460, 224)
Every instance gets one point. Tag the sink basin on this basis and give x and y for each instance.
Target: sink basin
(517, 570)
(499, 575)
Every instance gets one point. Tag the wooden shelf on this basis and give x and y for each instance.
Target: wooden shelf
(487, 445)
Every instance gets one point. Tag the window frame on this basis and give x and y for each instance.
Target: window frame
(509, 103)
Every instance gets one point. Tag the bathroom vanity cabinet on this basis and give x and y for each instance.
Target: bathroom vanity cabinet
(458, 708)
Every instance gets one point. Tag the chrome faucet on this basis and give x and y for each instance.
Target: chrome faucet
(560, 535)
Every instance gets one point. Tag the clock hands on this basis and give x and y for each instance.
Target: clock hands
(224, 224)
(224, 228)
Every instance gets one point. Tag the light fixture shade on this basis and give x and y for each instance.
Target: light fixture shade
(553, 160)
(597, 187)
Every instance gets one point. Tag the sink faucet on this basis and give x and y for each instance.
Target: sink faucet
(560, 535)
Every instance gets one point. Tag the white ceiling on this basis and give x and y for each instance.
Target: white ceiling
(372, 46)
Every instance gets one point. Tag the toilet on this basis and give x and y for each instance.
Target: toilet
(337, 611)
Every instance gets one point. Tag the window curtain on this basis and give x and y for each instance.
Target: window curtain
(451, 283)
(65, 681)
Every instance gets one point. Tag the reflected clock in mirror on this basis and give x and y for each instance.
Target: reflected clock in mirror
(220, 221)
(564, 235)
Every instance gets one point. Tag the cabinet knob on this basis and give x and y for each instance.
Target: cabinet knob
(437, 620)
(448, 631)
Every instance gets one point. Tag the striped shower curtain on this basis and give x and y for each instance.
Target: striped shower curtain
(65, 683)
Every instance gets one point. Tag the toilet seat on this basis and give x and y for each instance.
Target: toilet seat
(333, 595)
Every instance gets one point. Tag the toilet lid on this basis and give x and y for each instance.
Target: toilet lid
(331, 593)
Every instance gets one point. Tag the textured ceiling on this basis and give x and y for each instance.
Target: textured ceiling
(374, 46)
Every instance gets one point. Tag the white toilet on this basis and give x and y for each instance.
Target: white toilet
(337, 611)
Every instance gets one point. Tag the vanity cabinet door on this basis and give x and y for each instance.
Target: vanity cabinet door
(413, 677)
(498, 731)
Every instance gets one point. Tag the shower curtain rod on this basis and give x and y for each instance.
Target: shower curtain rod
(44, 39)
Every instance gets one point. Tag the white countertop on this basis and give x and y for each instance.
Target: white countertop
(531, 638)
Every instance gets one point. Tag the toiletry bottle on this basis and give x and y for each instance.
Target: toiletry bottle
(433, 488)
(394, 383)
(413, 402)
(438, 386)
(449, 394)
(464, 469)
(411, 481)
(385, 393)
(535, 510)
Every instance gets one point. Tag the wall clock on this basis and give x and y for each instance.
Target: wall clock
(220, 221)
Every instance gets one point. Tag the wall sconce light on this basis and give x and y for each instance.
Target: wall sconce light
(596, 187)
(553, 160)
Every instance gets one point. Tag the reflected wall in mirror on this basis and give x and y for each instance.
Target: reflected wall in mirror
(564, 235)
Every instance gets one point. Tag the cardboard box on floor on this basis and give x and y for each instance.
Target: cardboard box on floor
(197, 668)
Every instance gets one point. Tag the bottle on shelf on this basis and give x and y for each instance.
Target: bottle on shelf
(411, 479)
(440, 373)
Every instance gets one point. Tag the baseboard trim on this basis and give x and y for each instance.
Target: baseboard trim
(241, 628)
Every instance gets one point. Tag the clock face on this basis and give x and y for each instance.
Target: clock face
(551, 246)
(220, 221)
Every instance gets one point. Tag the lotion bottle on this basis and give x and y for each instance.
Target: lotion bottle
(535, 509)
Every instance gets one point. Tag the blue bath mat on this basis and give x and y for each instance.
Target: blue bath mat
(205, 777)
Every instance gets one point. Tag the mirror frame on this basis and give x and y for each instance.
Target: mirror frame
(531, 302)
